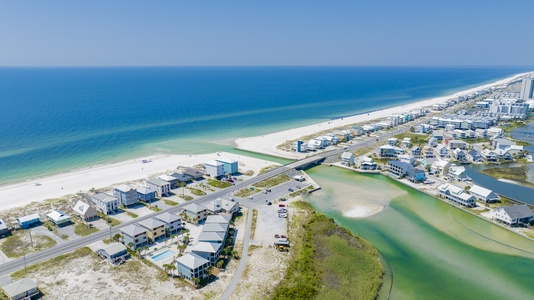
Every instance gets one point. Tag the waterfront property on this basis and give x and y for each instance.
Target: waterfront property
(347, 159)
(105, 203)
(25, 288)
(58, 217)
(483, 194)
(211, 237)
(196, 212)
(225, 205)
(85, 211)
(514, 215)
(458, 173)
(225, 219)
(115, 253)
(230, 167)
(155, 228)
(193, 173)
(214, 168)
(192, 266)
(3, 228)
(398, 168)
(173, 223)
(366, 163)
(135, 234)
(456, 194)
(474, 156)
(209, 251)
(440, 167)
(181, 178)
(162, 187)
(406, 158)
(126, 194)
(146, 194)
(29, 220)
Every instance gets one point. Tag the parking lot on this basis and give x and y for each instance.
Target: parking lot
(277, 192)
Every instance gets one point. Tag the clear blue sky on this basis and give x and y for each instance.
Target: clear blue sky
(162, 33)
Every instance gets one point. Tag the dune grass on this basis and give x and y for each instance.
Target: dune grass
(219, 184)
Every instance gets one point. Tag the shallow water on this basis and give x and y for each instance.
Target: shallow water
(435, 250)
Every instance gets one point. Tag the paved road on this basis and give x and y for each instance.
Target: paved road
(243, 262)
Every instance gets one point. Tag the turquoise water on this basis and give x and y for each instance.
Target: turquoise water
(435, 250)
(163, 255)
(58, 119)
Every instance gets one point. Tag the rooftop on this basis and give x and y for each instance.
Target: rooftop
(103, 197)
(19, 287)
(192, 261)
(133, 230)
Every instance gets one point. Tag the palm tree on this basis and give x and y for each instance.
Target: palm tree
(172, 268)
(196, 281)
(117, 237)
(139, 249)
(166, 268)
(146, 249)
(172, 238)
(130, 245)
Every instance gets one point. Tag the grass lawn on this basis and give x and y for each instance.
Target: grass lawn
(415, 139)
(197, 192)
(219, 184)
(131, 214)
(82, 230)
(111, 221)
(362, 151)
(243, 193)
(18, 244)
(186, 197)
(273, 181)
(170, 202)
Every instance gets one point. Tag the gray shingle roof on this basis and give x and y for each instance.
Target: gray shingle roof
(518, 211)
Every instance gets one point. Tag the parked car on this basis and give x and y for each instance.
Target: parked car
(290, 189)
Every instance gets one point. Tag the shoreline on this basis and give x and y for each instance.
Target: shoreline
(267, 144)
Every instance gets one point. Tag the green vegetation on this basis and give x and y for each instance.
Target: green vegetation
(362, 150)
(55, 262)
(415, 139)
(476, 140)
(111, 221)
(249, 173)
(300, 192)
(243, 193)
(273, 181)
(252, 248)
(219, 184)
(18, 243)
(186, 197)
(196, 192)
(131, 214)
(518, 174)
(268, 168)
(522, 143)
(253, 225)
(328, 262)
(170, 202)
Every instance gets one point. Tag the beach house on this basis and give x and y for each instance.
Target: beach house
(230, 166)
(366, 163)
(126, 194)
(432, 142)
(105, 203)
(398, 169)
(457, 144)
(416, 152)
(211, 237)
(406, 142)
(146, 194)
(208, 251)
(456, 194)
(216, 227)
(162, 187)
(23, 289)
(442, 150)
(29, 220)
(458, 173)
(135, 234)
(393, 142)
(196, 212)
(170, 179)
(387, 151)
(194, 173)
(173, 223)
(440, 167)
(483, 194)
(4, 231)
(347, 159)
(85, 211)
(416, 175)
(459, 154)
(514, 215)
(406, 158)
(181, 178)
(155, 229)
(115, 253)
(428, 152)
(225, 219)
(192, 266)
(299, 146)
(489, 155)
(225, 205)
(473, 156)
(214, 168)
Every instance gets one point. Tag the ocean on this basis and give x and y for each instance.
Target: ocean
(58, 119)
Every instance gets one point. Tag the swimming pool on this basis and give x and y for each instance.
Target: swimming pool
(163, 255)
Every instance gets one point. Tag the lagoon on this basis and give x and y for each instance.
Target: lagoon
(435, 250)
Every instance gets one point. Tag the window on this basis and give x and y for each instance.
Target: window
(137, 241)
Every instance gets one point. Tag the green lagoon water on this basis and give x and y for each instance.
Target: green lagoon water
(435, 250)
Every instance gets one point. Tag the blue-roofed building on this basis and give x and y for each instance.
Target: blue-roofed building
(27, 221)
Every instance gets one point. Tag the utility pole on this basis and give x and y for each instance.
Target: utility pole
(31, 240)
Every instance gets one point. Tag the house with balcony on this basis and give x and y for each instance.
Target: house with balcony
(406, 142)
(126, 194)
(347, 159)
(146, 194)
(387, 151)
(474, 156)
(29, 220)
(456, 194)
(458, 173)
(366, 163)
(416, 175)
(135, 234)
(173, 223)
(225, 219)
(105, 203)
(483, 194)
(23, 289)
(459, 154)
(417, 152)
(194, 173)
(398, 169)
(196, 212)
(162, 187)
(214, 168)
(433, 142)
(442, 150)
(4, 231)
(489, 155)
(208, 251)
(85, 211)
(515, 215)
(457, 144)
(393, 142)
(230, 166)
(191, 266)
(114, 253)
(155, 229)
(58, 217)
(407, 158)
(211, 237)
(440, 167)
(225, 205)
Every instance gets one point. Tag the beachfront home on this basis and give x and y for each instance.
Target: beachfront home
(162, 187)
(474, 156)
(458, 173)
(105, 203)
(216, 227)
(214, 168)
(416, 175)
(407, 158)
(423, 128)
(398, 169)
(196, 212)
(85, 211)
(483, 194)
(442, 150)
(25, 288)
(58, 217)
(170, 179)
(481, 133)
(126, 194)
(211, 237)
(416, 152)
(347, 159)
(209, 251)
(135, 234)
(503, 154)
(440, 167)
(456, 194)
(225, 219)
(27, 221)
(438, 135)
(366, 163)
(194, 173)
(315, 144)
(514, 215)
(299, 146)
(457, 144)
(225, 205)
(230, 166)
(146, 194)
(180, 178)
(173, 223)
(155, 228)
(4, 231)
(115, 253)
(387, 151)
(192, 266)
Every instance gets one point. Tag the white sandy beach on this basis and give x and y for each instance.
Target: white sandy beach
(56, 186)
(267, 144)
